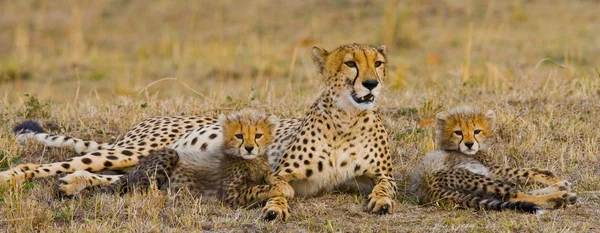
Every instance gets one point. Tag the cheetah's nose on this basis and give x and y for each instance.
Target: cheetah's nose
(249, 148)
(469, 144)
(370, 84)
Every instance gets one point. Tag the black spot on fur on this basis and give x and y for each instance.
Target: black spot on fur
(66, 165)
(28, 126)
(86, 160)
(309, 172)
(127, 153)
(108, 164)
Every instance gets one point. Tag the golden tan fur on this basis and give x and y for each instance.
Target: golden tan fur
(341, 137)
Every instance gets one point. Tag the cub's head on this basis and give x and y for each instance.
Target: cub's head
(354, 73)
(464, 129)
(247, 133)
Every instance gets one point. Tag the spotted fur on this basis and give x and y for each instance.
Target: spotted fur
(339, 139)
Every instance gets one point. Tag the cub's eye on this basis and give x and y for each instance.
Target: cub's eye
(258, 136)
(378, 63)
(350, 64)
(477, 131)
(239, 136)
(458, 132)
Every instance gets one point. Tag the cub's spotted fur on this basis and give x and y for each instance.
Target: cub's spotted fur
(460, 172)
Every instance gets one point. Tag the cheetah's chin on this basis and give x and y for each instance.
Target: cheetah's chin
(248, 156)
(470, 152)
(367, 99)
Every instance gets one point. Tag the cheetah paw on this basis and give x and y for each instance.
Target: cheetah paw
(561, 186)
(564, 200)
(73, 183)
(380, 204)
(276, 208)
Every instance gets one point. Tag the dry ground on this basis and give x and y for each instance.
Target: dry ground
(85, 65)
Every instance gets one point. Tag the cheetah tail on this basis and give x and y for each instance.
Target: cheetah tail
(29, 129)
(28, 126)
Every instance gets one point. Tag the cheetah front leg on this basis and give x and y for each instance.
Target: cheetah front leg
(277, 206)
(379, 169)
(237, 194)
(532, 175)
(381, 198)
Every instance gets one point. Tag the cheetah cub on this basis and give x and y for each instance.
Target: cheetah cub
(460, 172)
(235, 173)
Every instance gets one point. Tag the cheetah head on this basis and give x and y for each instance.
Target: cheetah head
(247, 133)
(464, 128)
(354, 73)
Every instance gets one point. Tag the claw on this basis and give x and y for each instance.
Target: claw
(271, 215)
(384, 209)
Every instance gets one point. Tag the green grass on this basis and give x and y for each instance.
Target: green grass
(92, 69)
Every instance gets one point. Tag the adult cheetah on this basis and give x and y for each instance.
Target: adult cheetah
(340, 138)
(460, 172)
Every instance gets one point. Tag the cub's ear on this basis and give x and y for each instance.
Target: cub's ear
(490, 115)
(319, 56)
(272, 121)
(382, 49)
(223, 119)
(441, 117)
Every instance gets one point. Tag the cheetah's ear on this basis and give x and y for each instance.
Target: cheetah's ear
(319, 56)
(491, 117)
(382, 49)
(441, 117)
(223, 119)
(272, 121)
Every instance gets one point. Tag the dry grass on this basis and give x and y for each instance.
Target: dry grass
(535, 62)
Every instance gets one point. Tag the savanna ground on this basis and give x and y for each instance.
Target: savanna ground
(82, 68)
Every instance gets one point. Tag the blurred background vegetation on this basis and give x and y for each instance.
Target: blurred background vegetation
(99, 50)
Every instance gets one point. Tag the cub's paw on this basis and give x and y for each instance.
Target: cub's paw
(380, 204)
(564, 200)
(276, 209)
(562, 186)
(284, 190)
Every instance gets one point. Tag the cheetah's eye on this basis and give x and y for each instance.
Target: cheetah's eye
(477, 131)
(458, 132)
(239, 136)
(258, 136)
(350, 64)
(378, 64)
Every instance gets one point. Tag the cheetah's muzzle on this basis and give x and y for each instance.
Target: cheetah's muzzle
(367, 99)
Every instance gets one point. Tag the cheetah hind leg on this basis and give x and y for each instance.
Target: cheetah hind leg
(74, 183)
